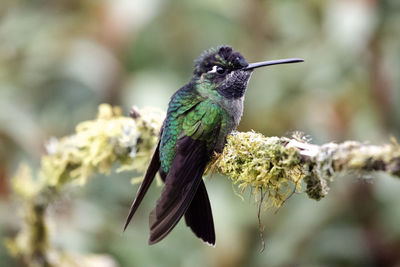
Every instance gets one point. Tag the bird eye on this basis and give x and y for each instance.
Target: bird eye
(220, 70)
(217, 69)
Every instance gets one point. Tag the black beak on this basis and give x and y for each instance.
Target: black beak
(272, 62)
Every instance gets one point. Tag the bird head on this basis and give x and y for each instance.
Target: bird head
(228, 71)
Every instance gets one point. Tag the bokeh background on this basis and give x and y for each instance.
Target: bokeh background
(60, 59)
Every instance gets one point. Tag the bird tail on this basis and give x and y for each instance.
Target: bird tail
(181, 186)
(199, 216)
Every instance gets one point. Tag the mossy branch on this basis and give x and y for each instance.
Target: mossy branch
(272, 165)
(277, 164)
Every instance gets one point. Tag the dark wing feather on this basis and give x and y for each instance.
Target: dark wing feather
(181, 185)
(199, 216)
(154, 166)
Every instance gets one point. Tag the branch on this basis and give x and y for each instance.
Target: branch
(276, 166)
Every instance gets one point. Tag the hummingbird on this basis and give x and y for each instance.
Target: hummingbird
(200, 115)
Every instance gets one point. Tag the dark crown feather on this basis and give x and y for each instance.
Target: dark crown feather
(223, 56)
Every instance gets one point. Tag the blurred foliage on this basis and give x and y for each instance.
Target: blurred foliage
(60, 59)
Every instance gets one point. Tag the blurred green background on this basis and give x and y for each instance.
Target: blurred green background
(60, 59)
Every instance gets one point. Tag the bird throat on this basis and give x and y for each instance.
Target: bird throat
(236, 85)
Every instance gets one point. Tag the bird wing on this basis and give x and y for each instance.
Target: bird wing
(182, 102)
(154, 166)
(193, 150)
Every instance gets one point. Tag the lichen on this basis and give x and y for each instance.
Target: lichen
(100, 143)
(263, 164)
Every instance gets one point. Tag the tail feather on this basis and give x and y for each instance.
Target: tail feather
(199, 216)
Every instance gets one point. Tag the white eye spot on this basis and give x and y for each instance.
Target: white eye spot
(214, 69)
